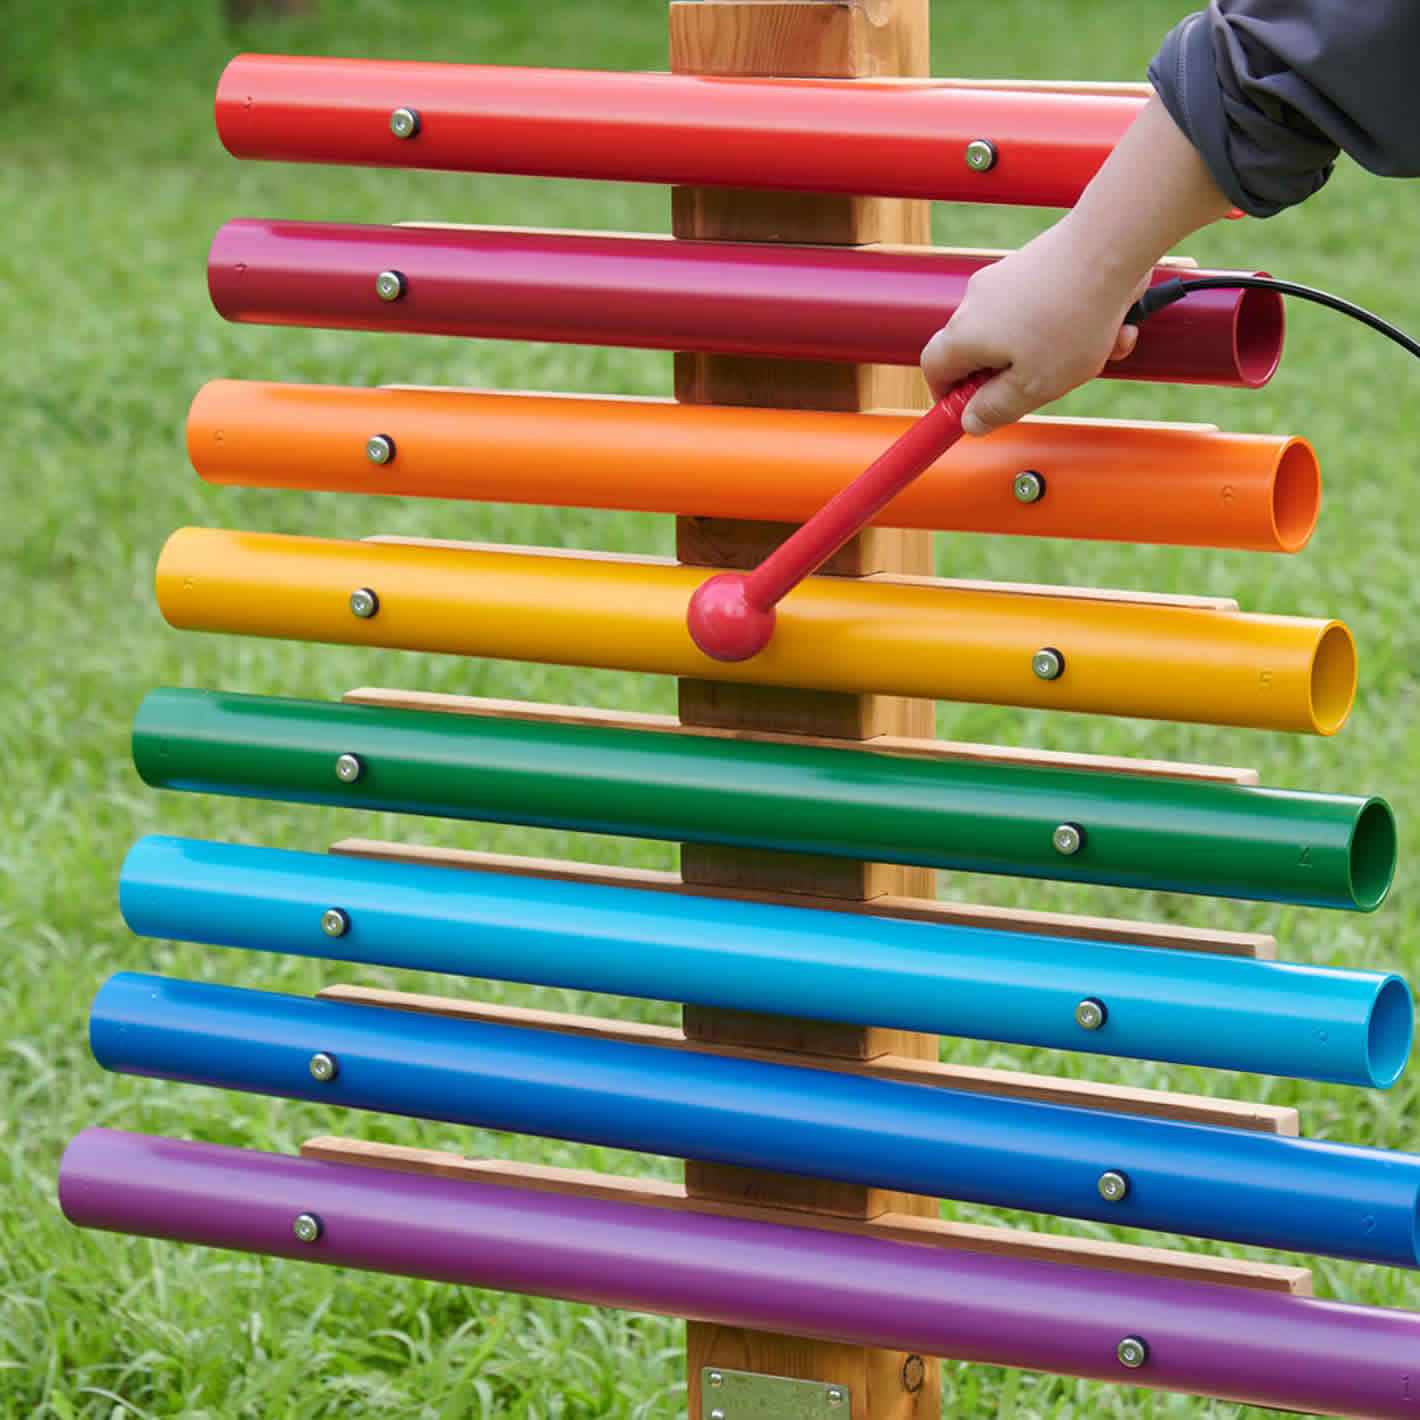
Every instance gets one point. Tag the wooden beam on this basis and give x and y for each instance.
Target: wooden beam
(912, 747)
(897, 1227)
(914, 909)
(802, 1049)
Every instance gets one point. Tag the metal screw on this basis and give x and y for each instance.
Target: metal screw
(1068, 839)
(324, 1067)
(389, 285)
(717, 1415)
(1133, 1351)
(835, 1396)
(981, 155)
(348, 768)
(1114, 1186)
(716, 1379)
(404, 122)
(379, 448)
(334, 922)
(1090, 1014)
(1048, 663)
(1028, 486)
(364, 603)
(307, 1227)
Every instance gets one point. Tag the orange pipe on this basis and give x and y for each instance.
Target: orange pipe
(1182, 484)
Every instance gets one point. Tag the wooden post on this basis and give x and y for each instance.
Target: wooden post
(830, 39)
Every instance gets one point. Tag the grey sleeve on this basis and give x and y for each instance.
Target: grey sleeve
(1269, 91)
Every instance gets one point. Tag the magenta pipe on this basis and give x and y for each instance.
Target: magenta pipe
(731, 616)
(797, 135)
(859, 305)
(1230, 1343)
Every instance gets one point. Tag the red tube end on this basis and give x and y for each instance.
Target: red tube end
(723, 624)
(1258, 330)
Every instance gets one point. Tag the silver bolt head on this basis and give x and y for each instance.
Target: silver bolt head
(348, 768)
(717, 1415)
(1048, 663)
(335, 922)
(324, 1067)
(1090, 1014)
(307, 1227)
(1132, 1351)
(389, 285)
(1028, 486)
(1067, 839)
(835, 1396)
(1113, 1186)
(364, 603)
(981, 155)
(404, 122)
(716, 1379)
(379, 448)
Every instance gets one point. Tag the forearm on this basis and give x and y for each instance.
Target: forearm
(1151, 192)
(1050, 316)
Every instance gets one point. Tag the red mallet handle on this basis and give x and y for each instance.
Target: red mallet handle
(731, 616)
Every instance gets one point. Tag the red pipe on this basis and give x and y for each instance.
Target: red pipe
(731, 617)
(859, 305)
(801, 135)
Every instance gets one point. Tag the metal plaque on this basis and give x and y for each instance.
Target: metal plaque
(742, 1395)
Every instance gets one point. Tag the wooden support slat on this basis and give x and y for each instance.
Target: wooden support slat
(850, 561)
(912, 747)
(896, 1227)
(1257, 945)
(1048, 1089)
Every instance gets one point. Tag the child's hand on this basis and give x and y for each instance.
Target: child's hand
(1042, 316)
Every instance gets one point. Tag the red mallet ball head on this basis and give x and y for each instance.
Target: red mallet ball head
(724, 624)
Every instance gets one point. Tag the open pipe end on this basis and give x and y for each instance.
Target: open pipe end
(1296, 495)
(1372, 846)
(1258, 326)
(1389, 1033)
(1332, 687)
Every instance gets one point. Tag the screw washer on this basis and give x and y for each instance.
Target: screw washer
(379, 448)
(364, 603)
(324, 1067)
(981, 155)
(1028, 486)
(1132, 1351)
(1068, 839)
(389, 285)
(335, 922)
(307, 1227)
(404, 122)
(1114, 1186)
(348, 768)
(1090, 1014)
(1048, 663)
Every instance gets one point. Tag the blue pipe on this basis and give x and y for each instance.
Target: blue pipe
(1195, 1008)
(1268, 1190)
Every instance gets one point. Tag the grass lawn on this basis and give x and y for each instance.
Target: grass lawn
(112, 182)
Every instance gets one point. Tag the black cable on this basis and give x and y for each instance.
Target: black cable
(1167, 292)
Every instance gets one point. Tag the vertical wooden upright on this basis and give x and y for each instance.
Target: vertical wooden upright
(829, 39)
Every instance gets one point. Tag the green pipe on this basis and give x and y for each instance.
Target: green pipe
(1222, 840)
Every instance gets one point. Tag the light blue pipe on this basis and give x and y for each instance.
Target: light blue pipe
(1202, 1180)
(1191, 1007)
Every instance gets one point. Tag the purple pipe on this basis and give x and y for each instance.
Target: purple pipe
(730, 298)
(1230, 1343)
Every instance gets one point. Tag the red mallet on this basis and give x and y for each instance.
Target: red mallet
(731, 616)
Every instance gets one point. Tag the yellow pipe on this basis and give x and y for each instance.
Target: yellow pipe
(1154, 659)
